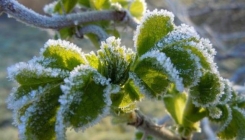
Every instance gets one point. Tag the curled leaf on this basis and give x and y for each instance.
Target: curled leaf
(156, 72)
(208, 91)
(187, 64)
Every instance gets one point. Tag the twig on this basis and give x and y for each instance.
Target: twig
(20, 12)
(163, 120)
(98, 31)
(208, 130)
(149, 127)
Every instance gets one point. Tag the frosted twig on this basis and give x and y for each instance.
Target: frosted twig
(208, 130)
(98, 31)
(20, 12)
(146, 125)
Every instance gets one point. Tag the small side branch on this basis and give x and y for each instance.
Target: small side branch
(98, 31)
(20, 12)
(208, 130)
(147, 126)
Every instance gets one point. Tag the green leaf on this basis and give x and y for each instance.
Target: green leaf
(37, 120)
(66, 33)
(191, 119)
(208, 91)
(93, 60)
(225, 117)
(39, 75)
(227, 96)
(100, 4)
(85, 3)
(156, 73)
(175, 104)
(236, 127)
(86, 99)
(124, 101)
(154, 26)
(65, 6)
(238, 115)
(206, 63)
(180, 34)
(186, 63)
(185, 37)
(63, 54)
(137, 8)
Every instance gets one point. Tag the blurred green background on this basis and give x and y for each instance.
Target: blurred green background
(20, 42)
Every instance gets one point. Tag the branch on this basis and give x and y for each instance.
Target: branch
(98, 31)
(150, 128)
(20, 12)
(208, 130)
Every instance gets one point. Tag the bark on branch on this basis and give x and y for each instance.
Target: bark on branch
(21, 13)
(148, 127)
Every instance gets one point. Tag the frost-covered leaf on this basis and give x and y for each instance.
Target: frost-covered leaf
(175, 103)
(93, 60)
(238, 115)
(186, 37)
(227, 96)
(63, 54)
(122, 103)
(115, 60)
(86, 100)
(33, 80)
(37, 120)
(33, 73)
(180, 34)
(236, 128)
(223, 117)
(154, 26)
(208, 91)
(187, 64)
(137, 8)
(156, 73)
(125, 100)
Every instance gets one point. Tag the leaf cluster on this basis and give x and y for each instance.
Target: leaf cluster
(65, 87)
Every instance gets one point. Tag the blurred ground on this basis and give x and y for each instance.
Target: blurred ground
(20, 43)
